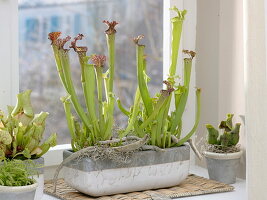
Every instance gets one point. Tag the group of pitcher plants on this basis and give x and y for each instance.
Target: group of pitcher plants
(152, 124)
(148, 115)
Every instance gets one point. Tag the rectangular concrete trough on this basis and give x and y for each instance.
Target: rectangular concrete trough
(146, 170)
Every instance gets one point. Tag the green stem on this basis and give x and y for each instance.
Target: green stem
(140, 133)
(59, 66)
(134, 113)
(89, 76)
(64, 57)
(179, 129)
(111, 54)
(69, 118)
(122, 109)
(165, 121)
(154, 132)
(142, 79)
(110, 99)
(83, 62)
(183, 99)
(177, 25)
(159, 126)
(109, 124)
(106, 83)
(99, 72)
(189, 135)
(161, 103)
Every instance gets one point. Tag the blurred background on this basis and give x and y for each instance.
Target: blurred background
(37, 67)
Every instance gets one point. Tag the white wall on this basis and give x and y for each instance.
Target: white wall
(231, 67)
(207, 62)
(220, 71)
(256, 98)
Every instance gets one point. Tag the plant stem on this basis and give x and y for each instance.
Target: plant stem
(111, 55)
(134, 113)
(165, 121)
(69, 118)
(183, 98)
(158, 128)
(83, 62)
(177, 25)
(109, 123)
(156, 110)
(110, 99)
(142, 80)
(189, 135)
(90, 95)
(59, 66)
(99, 72)
(64, 57)
(122, 109)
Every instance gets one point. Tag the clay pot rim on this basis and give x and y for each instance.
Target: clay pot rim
(11, 189)
(223, 156)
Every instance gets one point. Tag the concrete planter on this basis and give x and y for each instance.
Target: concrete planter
(223, 166)
(147, 170)
(18, 193)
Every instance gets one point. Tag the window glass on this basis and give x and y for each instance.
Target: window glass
(37, 68)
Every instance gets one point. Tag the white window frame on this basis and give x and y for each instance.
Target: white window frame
(9, 76)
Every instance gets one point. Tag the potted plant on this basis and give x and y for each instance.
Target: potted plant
(154, 117)
(16, 181)
(104, 161)
(21, 132)
(222, 152)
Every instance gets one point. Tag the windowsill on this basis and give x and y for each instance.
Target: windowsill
(238, 194)
(55, 155)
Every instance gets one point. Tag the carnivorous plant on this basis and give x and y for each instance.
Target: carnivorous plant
(97, 121)
(230, 135)
(153, 116)
(21, 131)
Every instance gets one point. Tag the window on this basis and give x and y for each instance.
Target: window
(37, 67)
(55, 24)
(32, 29)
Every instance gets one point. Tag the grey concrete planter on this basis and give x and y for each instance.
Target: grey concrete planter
(18, 193)
(147, 170)
(223, 166)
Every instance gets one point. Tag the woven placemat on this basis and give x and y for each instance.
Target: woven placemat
(193, 185)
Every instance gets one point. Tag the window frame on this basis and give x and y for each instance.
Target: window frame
(9, 78)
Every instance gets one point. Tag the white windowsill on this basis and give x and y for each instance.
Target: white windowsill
(238, 194)
(55, 155)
